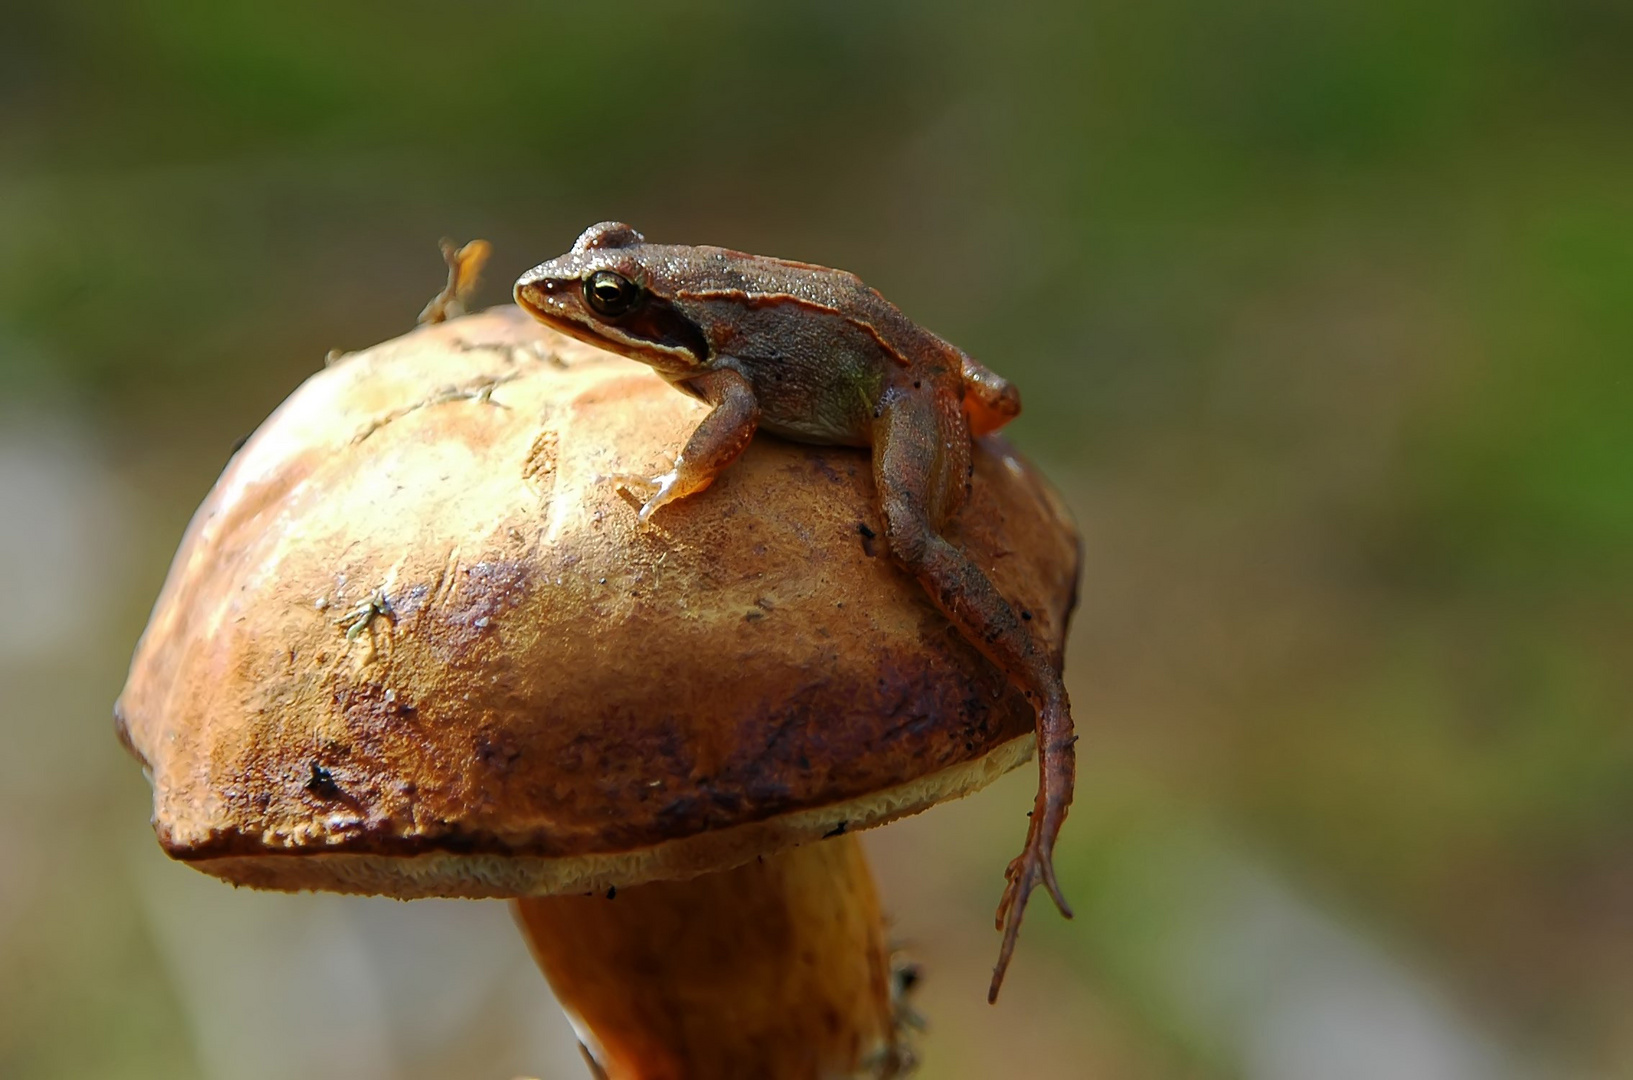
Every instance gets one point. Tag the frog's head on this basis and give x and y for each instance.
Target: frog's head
(603, 291)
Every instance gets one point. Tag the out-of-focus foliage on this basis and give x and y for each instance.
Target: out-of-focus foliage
(1323, 315)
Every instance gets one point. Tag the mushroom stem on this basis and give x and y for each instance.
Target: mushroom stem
(775, 970)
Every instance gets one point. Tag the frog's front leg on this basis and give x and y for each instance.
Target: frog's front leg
(920, 462)
(713, 444)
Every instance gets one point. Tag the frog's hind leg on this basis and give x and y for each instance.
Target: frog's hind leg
(920, 463)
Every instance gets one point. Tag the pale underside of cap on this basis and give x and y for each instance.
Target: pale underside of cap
(477, 876)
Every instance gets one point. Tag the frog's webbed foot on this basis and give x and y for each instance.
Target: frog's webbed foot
(1032, 867)
(1035, 865)
(653, 491)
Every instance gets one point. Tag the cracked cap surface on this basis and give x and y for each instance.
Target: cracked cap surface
(413, 644)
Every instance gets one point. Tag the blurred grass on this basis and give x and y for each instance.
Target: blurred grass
(1323, 314)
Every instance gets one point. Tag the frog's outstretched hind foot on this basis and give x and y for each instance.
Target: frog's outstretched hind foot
(1027, 871)
(1034, 866)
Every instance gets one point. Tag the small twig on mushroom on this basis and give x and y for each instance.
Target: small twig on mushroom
(464, 272)
(358, 618)
(480, 392)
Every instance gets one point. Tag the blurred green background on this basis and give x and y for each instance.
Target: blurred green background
(1323, 315)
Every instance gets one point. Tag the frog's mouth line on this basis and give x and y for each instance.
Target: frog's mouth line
(654, 332)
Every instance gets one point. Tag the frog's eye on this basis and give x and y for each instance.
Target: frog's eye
(611, 294)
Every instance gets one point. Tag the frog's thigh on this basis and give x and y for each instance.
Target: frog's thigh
(910, 457)
(907, 471)
(921, 458)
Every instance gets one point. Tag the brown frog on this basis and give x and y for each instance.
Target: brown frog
(813, 354)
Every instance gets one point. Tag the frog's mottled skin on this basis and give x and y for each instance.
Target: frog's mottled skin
(815, 355)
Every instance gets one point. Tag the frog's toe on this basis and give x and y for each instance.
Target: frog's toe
(644, 488)
(635, 482)
(662, 491)
(653, 491)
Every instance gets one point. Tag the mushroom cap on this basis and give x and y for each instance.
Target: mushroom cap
(414, 642)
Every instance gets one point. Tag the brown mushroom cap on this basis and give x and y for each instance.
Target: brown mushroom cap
(414, 643)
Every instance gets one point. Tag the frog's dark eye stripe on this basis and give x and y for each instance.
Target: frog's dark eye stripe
(611, 294)
(660, 323)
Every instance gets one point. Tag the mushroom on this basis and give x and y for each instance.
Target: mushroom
(414, 644)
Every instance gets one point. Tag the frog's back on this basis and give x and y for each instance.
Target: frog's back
(712, 275)
(723, 273)
(990, 401)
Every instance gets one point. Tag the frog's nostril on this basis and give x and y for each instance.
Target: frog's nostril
(534, 294)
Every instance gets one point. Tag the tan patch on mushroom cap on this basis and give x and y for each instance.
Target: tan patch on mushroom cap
(412, 642)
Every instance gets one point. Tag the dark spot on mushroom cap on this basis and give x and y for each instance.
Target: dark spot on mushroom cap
(322, 783)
